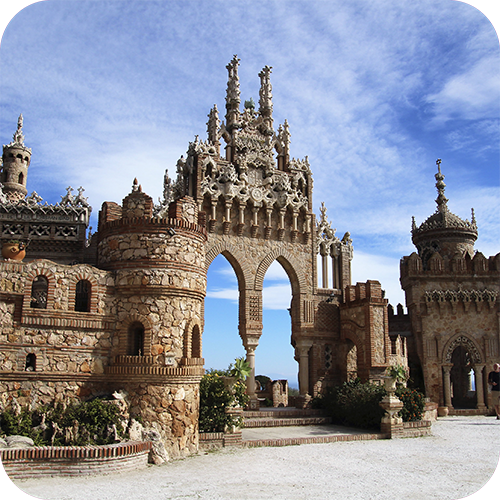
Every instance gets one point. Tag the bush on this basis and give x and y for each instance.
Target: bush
(353, 403)
(414, 404)
(92, 419)
(214, 399)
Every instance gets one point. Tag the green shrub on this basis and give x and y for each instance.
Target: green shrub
(414, 404)
(214, 399)
(353, 403)
(93, 419)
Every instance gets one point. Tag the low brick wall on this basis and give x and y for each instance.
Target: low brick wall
(209, 441)
(74, 460)
(417, 429)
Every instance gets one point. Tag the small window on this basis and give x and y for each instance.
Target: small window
(39, 291)
(136, 339)
(82, 296)
(30, 362)
(21, 178)
(196, 342)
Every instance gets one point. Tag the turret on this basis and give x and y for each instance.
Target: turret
(444, 232)
(16, 159)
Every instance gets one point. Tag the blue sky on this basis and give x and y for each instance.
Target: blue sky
(374, 92)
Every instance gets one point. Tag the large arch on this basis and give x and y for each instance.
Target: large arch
(288, 261)
(237, 260)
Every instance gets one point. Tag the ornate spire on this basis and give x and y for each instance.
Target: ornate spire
(233, 95)
(441, 200)
(213, 125)
(265, 98)
(18, 138)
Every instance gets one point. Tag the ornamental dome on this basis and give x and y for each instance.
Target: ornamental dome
(443, 231)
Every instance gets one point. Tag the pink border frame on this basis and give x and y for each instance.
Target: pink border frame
(9, 8)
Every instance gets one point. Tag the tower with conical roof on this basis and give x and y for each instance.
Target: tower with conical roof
(444, 232)
(16, 159)
(451, 293)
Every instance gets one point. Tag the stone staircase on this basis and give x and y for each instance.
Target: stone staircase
(284, 417)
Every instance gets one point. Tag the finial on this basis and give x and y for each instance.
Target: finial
(18, 137)
(441, 200)
(135, 186)
(213, 125)
(473, 217)
(266, 93)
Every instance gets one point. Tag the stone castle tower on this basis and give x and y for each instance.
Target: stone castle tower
(451, 294)
(16, 159)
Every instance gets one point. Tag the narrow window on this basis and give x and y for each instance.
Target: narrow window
(21, 178)
(82, 296)
(39, 290)
(30, 362)
(136, 339)
(196, 342)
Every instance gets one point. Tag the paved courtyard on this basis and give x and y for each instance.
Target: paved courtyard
(453, 463)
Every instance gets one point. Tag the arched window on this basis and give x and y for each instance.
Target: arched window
(82, 296)
(196, 342)
(30, 362)
(39, 290)
(21, 178)
(136, 339)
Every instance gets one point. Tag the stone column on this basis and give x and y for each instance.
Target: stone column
(447, 384)
(478, 374)
(324, 269)
(303, 347)
(251, 378)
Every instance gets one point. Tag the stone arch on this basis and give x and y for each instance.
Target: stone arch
(33, 274)
(288, 261)
(93, 292)
(238, 262)
(348, 333)
(462, 340)
(125, 332)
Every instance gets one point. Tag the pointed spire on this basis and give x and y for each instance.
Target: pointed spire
(18, 138)
(213, 125)
(441, 200)
(265, 98)
(233, 95)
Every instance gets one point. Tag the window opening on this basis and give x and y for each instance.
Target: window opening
(39, 290)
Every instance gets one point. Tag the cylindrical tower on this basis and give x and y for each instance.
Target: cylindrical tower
(16, 159)
(160, 286)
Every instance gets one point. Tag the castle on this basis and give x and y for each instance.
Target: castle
(123, 309)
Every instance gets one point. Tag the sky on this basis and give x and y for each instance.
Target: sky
(374, 92)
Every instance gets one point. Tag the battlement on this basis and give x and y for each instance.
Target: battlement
(436, 265)
(369, 291)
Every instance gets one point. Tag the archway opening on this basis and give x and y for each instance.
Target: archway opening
(274, 356)
(136, 339)
(462, 394)
(221, 341)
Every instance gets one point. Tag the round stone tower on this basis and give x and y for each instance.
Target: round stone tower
(160, 286)
(16, 159)
(444, 232)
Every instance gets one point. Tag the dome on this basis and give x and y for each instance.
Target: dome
(443, 231)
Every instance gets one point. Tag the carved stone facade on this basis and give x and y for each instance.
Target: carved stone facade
(452, 298)
(128, 313)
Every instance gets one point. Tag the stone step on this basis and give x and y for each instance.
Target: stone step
(252, 423)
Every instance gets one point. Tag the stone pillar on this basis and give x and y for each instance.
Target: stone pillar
(324, 268)
(251, 378)
(478, 374)
(447, 385)
(303, 347)
(391, 423)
